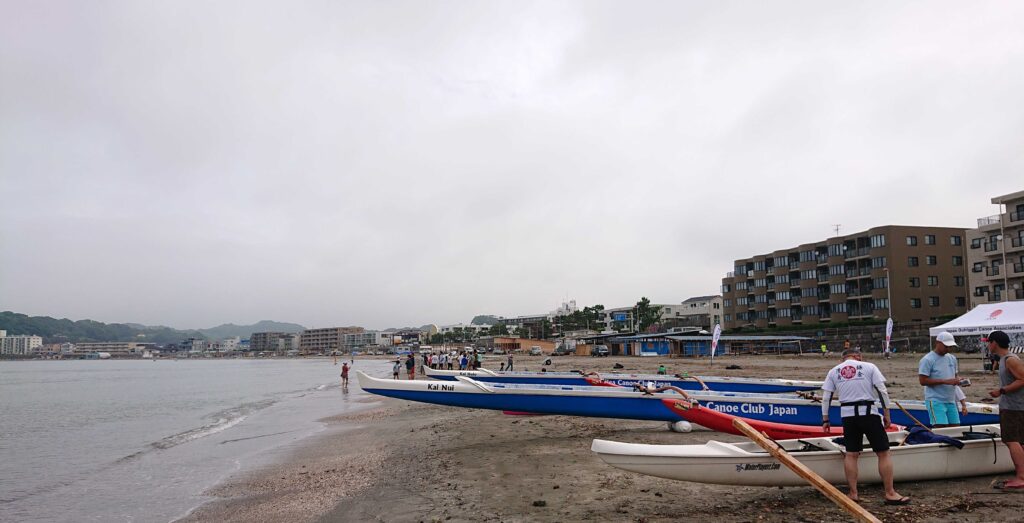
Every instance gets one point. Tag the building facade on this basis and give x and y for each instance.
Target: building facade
(21, 345)
(922, 270)
(995, 253)
(325, 340)
(114, 348)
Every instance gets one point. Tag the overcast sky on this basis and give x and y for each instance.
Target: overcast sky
(400, 163)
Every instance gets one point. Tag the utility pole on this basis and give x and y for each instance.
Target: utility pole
(837, 226)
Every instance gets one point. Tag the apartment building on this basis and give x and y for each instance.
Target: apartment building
(114, 348)
(265, 341)
(922, 270)
(325, 340)
(20, 345)
(995, 253)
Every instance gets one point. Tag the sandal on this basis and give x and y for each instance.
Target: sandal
(902, 501)
(1001, 485)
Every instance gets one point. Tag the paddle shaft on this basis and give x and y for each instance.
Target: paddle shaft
(911, 416)
(816, 481)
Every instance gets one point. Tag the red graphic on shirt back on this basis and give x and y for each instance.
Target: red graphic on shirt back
(848, 372)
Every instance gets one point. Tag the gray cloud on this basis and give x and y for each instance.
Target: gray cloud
(386, 163)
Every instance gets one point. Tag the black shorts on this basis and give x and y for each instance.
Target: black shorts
(856, 427)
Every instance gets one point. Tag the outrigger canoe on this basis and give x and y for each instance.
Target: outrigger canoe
(715, 383)
(693, 412)
(748, 464)
(626, 403)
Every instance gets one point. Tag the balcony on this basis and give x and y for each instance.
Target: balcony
(1017, 242)
(865, 271)
(1018, 294)
(978, 293)
(794, 282)
(794, 265)
(794, 299)
(992, 271)
(990, 246)
(856, 253)
(823, 278)
(1017, 216)
(988, 220)
(1018, 268)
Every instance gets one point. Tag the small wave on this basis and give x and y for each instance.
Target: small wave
(221, 421)
(320, 387)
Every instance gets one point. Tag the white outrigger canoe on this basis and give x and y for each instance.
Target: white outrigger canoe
(748, 464)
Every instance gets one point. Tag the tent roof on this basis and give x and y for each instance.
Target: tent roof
(1007, 316)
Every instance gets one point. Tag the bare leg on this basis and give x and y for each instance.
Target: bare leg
(885, 470)
(850, 466)
(1017, 455)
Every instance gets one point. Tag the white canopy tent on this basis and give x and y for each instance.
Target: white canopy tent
(1007, 316)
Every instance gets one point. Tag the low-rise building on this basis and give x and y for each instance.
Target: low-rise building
(325, 340)
(114, 348)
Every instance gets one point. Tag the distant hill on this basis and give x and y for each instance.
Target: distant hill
(230, 330)
(55, 330)
(485, 319)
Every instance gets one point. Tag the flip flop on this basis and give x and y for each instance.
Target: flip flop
(1001, 485)
(902, 501)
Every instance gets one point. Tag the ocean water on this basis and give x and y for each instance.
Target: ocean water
(140, 441)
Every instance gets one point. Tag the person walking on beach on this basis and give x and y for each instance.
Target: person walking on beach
(857, 384)
(410, 366)
(451, 360)
(344, 375)
(937, 371)
(509, 366)
(396, 368)
(824, 349)
(1011, 405)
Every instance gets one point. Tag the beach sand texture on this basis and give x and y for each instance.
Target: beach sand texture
(405, 461)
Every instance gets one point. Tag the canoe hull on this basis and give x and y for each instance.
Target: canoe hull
(910, 463)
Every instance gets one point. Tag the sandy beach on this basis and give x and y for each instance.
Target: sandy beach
(405, 461)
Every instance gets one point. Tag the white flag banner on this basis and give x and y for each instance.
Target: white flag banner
(714, 341)
(888, 333)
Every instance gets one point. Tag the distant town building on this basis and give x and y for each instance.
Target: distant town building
(325, 340)
(366, 339)
(476, 329)
(701, 312)
(265, 341)
(851, 277)
(194, 345)
(114, 348)
(20, 345)
(995, 253)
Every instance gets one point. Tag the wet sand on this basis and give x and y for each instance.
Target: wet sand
(408, 461)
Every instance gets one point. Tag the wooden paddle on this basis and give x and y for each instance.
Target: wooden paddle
(911, 416)
(816, 481)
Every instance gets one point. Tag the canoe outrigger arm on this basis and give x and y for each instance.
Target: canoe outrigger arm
(473, 382)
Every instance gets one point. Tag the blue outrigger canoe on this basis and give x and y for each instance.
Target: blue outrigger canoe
(625, 403)
(715, 383)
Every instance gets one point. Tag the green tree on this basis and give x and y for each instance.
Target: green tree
(498, 329)
(647, 314)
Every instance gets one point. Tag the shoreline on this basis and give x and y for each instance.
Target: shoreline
(406, 461)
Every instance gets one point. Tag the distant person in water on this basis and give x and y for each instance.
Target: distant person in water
(344, 374)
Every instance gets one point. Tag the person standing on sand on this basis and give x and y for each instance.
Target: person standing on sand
(463, 362)
(509, 366)
(937, 371)
(857, 383)
(410, 366)
(396, 368)
(344, 375)
(1011, 405)
(824, 349)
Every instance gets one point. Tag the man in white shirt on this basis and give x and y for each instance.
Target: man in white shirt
(857, 384)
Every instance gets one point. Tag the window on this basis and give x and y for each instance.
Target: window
(836, 249)
(741, 301)
(839, 307)
(960, 301)
(782, 295)
(981, 291)
(809, 275)
(728, 317)
(727, 302)
(933, 301)
(760, 282)
(716, 305)
(781, 261)
(912, 261)
(911, 240)
(915, 282)
(783, 313)
(761, 298)
(976, 243)
(958, 281)
(740, 269)
(741, 285)
(958, 261)
(933, 281)
(808, 256)
(726, 287)
(838, 288)
(956, 240)
(782, 278)
(759, 265)
(915, 303)
(880, 303)
(878, 240)
(878, 263)
(811, 310)
(837, 270)
(880, 283)
(931, 260)
(929, 239)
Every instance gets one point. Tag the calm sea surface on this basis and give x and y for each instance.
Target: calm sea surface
(141, 440)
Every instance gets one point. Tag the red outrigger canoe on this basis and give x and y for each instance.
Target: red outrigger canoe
(722, 422)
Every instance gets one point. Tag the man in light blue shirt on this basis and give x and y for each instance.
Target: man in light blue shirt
(938, 373)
